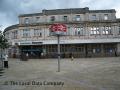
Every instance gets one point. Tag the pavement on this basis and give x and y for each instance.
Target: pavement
(79, 74)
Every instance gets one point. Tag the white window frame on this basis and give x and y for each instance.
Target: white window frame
(94, 30)
(79, 31)
(107, 30)
(26, 20)
(118, 29)
(14, 34)
(65, 18)
(37, 19)
(26, 33)
(94, 17)
(52, 18)
(105, 16)
(77, 17)
(37, 32)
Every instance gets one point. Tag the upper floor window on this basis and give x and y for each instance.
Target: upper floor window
(26, 33)
(79, 31)
(26, 20)
(77, 18)
(94, 30)
(105, 16)
(37, 32)
(37, 19)
(7, 34)
(52, 18)
(107, 30)
(14, 34)
(65, 18)
(94, 17)
(119, 30)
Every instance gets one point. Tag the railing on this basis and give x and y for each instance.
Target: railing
(70, 37)
(68, 21)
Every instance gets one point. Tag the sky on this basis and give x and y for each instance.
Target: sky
(11, 9)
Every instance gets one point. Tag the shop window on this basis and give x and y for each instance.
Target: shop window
(96, 50)
(109, 50)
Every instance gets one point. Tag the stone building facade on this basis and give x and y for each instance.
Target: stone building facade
(90, 33)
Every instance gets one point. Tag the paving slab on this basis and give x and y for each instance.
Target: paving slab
(79, 74)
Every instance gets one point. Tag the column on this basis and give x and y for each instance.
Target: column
(102, 50)
(118, 49)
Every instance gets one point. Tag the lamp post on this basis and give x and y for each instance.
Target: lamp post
(58, 36)
(58, 30)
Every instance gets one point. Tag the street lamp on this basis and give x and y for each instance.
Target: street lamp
(58, 30)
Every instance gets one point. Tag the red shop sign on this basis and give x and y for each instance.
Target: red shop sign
(58, 27)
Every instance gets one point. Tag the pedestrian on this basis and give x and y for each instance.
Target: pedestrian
(5, 61)
(71, 56)
(115, 52)
(27, 55)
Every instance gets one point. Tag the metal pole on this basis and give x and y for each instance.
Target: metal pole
(58, 53)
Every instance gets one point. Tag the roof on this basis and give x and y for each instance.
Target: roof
(103, 11)
(11, 27)
(34, 14)
(68, 11)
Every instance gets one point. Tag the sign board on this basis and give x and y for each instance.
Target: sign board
(58, 29)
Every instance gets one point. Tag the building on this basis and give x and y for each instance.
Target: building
(90, 33)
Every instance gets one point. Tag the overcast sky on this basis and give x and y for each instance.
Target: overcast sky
(10, 9)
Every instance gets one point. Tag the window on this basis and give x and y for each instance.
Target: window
(77, 18)
(52, 18)
(65, 18)
(37, 19)
(107, 30)
(119, 30)
(37, 32)
(26, 20)
(14, 34)
(109, 48)
(7, 34)
(106, 17)
(26, 33)
(93, 17)
(96, 48)
(79, 31)
(94, 30)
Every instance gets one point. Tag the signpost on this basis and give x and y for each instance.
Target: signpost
(58, 30)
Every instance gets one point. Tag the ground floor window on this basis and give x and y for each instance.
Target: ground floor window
(77, 50)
